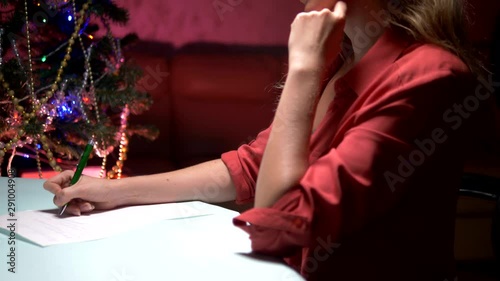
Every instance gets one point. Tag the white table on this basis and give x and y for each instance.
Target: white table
(200, 248)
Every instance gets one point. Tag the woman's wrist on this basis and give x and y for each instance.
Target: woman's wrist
(300, 93)
(120, 193)
(307, 64)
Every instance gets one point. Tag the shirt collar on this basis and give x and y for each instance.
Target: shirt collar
(386, 51)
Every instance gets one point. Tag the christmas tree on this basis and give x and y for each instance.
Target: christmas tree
(62, 85)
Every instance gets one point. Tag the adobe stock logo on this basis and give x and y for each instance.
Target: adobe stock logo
(454, 117)
(224, 6)
(151, 79)
(121, 275)
(320, 253)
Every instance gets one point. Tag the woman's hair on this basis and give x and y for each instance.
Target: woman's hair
(439, 22)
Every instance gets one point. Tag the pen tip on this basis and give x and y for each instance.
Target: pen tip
(62, 210)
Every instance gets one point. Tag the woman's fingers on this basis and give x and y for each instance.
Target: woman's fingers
(58, 182)
(316, 36)
(78, 207)
(340, 9)
(86, 207)
(65, 195)
(73, 209)
(59, 186)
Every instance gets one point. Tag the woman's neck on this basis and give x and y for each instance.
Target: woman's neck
(363, 27)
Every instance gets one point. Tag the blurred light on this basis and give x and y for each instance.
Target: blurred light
(26, 156)
(44, 20)
(91, 37)
(39, 146)
(64, 111)
(70, 18)
(44, 58)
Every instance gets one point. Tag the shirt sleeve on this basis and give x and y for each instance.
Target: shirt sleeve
(357, 180)
(243, 165)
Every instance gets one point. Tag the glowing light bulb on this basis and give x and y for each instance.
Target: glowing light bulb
(70, 18)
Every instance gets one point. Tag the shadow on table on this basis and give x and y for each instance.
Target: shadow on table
(263, 258)
(18, 237)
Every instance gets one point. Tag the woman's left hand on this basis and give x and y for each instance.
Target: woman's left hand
(315, 38)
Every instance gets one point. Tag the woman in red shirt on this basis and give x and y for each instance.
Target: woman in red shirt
(356, 178)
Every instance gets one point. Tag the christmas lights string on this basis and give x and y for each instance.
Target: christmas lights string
(44, 58)
(31, 84)
(1, 49)
(16, 52)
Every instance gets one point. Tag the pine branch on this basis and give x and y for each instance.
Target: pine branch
(111, 11)
(148, 132)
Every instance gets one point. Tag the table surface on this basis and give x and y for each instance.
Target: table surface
(200, 248)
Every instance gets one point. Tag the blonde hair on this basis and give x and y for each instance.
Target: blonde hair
(439, 22)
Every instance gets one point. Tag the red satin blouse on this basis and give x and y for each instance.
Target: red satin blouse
(378, 199)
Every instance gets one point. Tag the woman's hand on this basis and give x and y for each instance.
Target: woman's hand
(84, 196)
(316, 37)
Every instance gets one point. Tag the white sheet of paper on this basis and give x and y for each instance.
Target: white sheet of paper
(46, 227)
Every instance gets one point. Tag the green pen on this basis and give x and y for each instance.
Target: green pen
(79, 168)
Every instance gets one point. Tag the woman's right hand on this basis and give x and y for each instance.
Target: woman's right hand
(316, 37)
(86, 195)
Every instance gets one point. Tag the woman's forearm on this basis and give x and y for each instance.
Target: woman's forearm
(209, 182)
(286, 155)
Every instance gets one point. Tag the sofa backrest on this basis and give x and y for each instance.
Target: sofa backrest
(221, 98)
